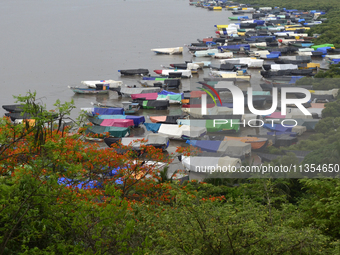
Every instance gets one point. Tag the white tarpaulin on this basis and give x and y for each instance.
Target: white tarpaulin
(130, 91)
(235, 148)
(333, 92)
(176, 131)
(185, 73)
(277, 67)
(224, 55)
(251, 62)
(111, 83)
(151, 139)
(192, 66)
(202, 164)
(305, 49)
(304, 53)
(170, 51)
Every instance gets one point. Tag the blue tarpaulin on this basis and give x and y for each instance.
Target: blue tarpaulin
(107, 111)
(154, 127)
(137, 120)
(235, 47)
(323, 49)
(164, 92)
(273, 55)
(277, 127)
(205, 145)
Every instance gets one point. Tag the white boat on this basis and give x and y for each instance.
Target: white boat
(165, 72)
(251, 62)
(111, 83)
(261, 44)
(127, 92)
(202, 63)
(277, 67)
(174, 131)
(232, 76)
(202, 164)
(206, 53)
(223, 55)
(170, 51)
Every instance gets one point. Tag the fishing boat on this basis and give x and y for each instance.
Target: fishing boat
(166, 119)
(205, 53)
(88, 91)
(111, 83)
(94, 111)
(255, 142)
(231, 148)
(137, 120)
(155, 140)
(112, 122)
(231, 125)
(152, 104)
(168, 72)
(129, 107)
(204, 166)
(170, 51)
(139, 71)
(127, 92)
(14, 107)
(250, 62)
(27, 116)
(112, 131)
(174, 131)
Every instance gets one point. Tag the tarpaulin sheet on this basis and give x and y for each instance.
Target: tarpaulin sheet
(154, 127)
(147, 96)
(117, 123)
(108, 111)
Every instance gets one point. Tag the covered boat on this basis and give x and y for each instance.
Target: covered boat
(87, 91)
(174, 131)
(255, 142)
(230, 148)
(14, 107)
(167, 72)
(110, 83)
(153, 104)
(156, 140)
(211, 125)
(172, 119)
(206, 53)
(137, 120)
(112, 131)
(170, 51)
(129, 108)
(112, 122)
(139, 71)
(207, 165)
(172, 97)
(103, 111)
(127, 92)
(251, 62)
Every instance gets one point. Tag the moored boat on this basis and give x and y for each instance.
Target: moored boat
(139, 71)
(88, 91)
(255, 142)
(155, 140)
(170, 51)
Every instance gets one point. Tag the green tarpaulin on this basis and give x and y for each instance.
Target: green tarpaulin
(113, 131)
(321, 46)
